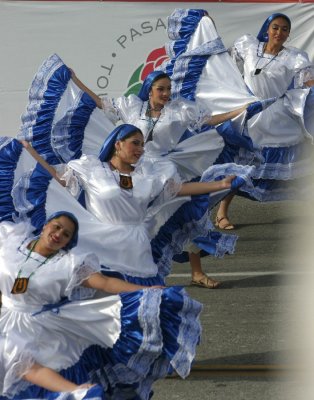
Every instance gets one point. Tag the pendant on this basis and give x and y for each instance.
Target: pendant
(126, 182)
(258, 71)
(20, 286)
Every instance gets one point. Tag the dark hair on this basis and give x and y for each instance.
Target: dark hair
(129, 135)
(149, 81)
(161, 76)
(121, 132)
(263, 33)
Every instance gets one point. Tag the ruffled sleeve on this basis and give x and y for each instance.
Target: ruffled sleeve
(192, 114)
(15, 231)
(78, 173)
(299, 61)
(110, 109)
(82, 267)
(124, 107)
(241, 48)
(167, 181)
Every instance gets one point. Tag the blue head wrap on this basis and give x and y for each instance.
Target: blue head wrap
(263, 35)
(73, 242)
(148, 83)
(120, 132)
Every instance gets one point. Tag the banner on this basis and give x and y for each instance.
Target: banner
(113, 45)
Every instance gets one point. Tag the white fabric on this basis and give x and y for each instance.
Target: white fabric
(190, 157)
(220, 86)
(39, 338)
(279, 124)
(122, 213)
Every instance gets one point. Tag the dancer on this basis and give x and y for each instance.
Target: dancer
(270, 67)
(56, 338)
(71, 124)
(166, 126)
(284, 131)
(124, 198)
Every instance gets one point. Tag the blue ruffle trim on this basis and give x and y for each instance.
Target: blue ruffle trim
(215, 244)
(160, 330)
(150, 281)
(67, 133)
(10, 151)
(185, 67)
(188, 222)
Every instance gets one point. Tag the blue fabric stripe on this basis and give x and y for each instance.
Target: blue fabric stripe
(68, 134)
(10, 151)
(45, 93)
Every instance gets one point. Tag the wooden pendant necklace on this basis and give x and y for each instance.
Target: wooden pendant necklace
(21, 284)
(125, 180)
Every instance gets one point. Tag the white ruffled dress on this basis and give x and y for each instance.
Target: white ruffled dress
(122, 343)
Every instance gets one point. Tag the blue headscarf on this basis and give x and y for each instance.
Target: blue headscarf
(263, 35)
(119, 133)
(148, 82)
(73, 242)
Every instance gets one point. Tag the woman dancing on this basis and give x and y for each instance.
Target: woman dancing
(56, 338)
(125, 200)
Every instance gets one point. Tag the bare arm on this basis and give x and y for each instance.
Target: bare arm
(220, 118)
(81, 85)
(194, 188)
(42, 162)
(48, 379)
(112, 285)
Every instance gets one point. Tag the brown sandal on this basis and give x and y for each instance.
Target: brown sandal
(227, 226)
(206, 282)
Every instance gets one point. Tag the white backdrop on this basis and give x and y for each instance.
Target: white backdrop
(106, 42)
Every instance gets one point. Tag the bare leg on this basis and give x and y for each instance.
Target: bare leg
(199, 278)
(222, 220)
(50, 379)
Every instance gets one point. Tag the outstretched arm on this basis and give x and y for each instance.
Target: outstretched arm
(220, 118)
(42, 162)
(112, 285)
(194, 188)
(49, 379)
(81, 85)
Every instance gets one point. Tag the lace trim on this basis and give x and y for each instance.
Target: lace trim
(88, 267)
(188, 337)
(20, 201)
(110, 109)
(72, 183)
(284, 171)
(226, 245)
(179, 240)
(13, 383)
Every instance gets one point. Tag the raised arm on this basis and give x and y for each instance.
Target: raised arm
(52, 171)
(81, 85)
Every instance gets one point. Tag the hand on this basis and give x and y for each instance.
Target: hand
(237, 182)
(72, 73)
(86, 385)
(227, 181)
(25, 144)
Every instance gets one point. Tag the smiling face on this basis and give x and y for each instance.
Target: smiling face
(278, 31)
(160, 92)
(56, 234)
(130, 149)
